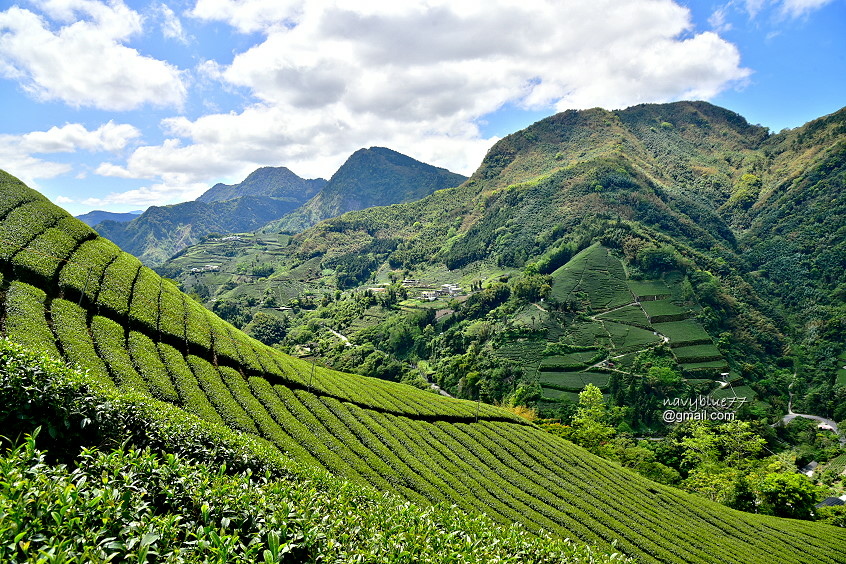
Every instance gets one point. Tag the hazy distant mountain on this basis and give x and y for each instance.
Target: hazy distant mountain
(370, 177)
(92, 218)
(158, 233)
(272, 182)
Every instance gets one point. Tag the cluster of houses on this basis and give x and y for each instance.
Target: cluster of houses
(446, 290)
(206, 268)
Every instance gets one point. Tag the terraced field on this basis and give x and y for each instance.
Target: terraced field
(631, 314)
(683, 333)
(73, 295)
(649, 289)
(697, 353)
(664, 310)
(837, 465)
(592, 276)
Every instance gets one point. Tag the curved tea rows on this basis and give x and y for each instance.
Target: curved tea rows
(71, 294)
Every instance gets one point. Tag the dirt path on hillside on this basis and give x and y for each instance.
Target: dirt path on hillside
(340, 336)
(601, 364)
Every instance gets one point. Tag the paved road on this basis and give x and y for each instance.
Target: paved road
(791, 416)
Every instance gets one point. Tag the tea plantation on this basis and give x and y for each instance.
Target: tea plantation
(153, 355)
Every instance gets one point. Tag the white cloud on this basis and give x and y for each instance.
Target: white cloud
(799, 8)
(150, 195)
(464, 60)
(331, 77)
(249, 15)
(170, 23)
(73, 136)
(784, 8)
(64, 200)
(17, 152)
(17, 160)
(75, 53)
(719, 20)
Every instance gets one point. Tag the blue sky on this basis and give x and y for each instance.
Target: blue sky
(120, 105)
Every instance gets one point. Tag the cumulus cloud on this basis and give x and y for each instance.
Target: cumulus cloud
(149, 195)
(74, 136)
(74, 51)
(334, 76)
(18, 161)
(249, 15)
(330, 77)
(18, 152)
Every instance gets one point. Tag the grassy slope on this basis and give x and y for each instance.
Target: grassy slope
(137, 332)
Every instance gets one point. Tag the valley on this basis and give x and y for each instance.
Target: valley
(482, 360)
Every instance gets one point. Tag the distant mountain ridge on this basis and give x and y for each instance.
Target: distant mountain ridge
(271, 182)
(370, 177)
(92, 218)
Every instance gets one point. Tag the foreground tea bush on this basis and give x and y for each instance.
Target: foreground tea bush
(136, 504)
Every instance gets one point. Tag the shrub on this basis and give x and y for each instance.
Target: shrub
(46, 253)
(111, 347)
(85, 267)
(116, 285)
(144, 305)
(24, 223)
(171, 311)
(69, 323)
(25, 320)
(149, 364)
(231, 412)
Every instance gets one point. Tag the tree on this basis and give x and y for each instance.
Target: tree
(590, 423)
(832, 515)
(267, 329)
(700, 447)
(739, 443)
(788, 495)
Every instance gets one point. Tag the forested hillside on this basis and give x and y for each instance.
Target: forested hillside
(739, 229)
(70, 294)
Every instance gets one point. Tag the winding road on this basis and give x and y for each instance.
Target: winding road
(791, 416)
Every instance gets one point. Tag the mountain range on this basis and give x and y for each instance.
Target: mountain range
(98, 216)
(268, 182)
(740, 229)
(369, 177)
